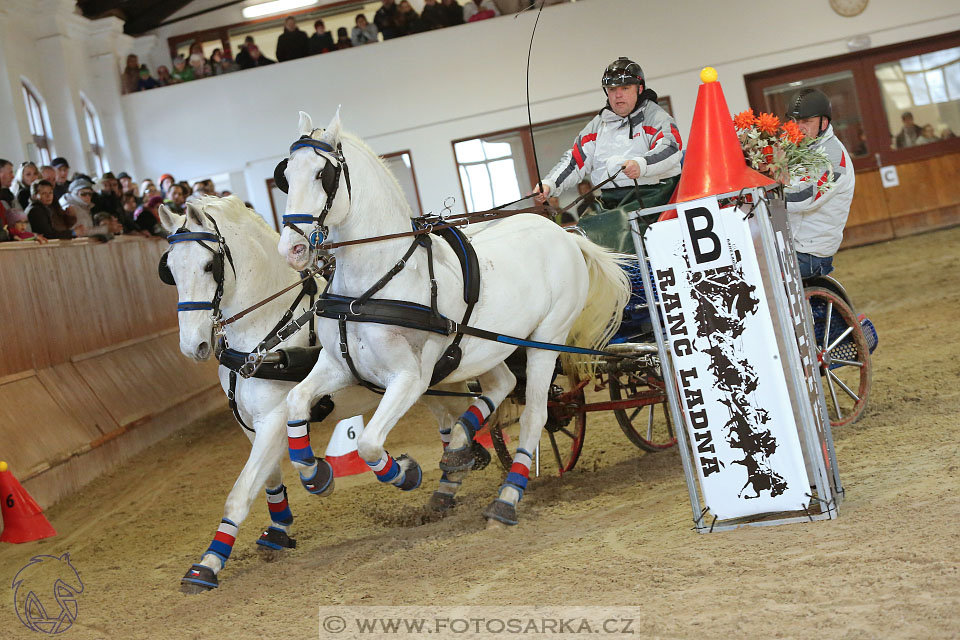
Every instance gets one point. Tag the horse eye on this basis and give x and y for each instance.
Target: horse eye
(208, 267)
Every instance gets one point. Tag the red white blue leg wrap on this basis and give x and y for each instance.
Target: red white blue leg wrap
(519, 473)
(387, 470)
(476, 416)
(280, 512)
(222, 543)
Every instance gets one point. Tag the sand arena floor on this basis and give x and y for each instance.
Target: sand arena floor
(616, 531)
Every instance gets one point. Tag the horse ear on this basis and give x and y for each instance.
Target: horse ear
(331, 135)
(306, 123)
(194, 214)
(169, 220)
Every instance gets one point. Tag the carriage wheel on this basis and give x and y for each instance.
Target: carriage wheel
(843, 356)
(640, 424)
(562, 439)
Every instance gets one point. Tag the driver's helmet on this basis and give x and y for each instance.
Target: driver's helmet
(809, 103)
(620, 72)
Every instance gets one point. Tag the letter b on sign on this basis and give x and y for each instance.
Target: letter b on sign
(703, 234)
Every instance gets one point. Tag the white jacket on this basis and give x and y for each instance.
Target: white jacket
(817, 219)
(649, 135)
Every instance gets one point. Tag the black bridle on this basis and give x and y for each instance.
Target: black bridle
(329, 177)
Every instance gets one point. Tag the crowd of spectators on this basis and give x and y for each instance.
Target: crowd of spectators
(912, 134)
(40, 204)
(392, 20)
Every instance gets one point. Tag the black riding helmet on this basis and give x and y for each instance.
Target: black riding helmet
(620, 72)
(809, 103)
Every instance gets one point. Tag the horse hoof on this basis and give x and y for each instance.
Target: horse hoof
(457, 459)
(321, 484)
(441, 502)
(481, 457)
(273, 542)
(495, 525)
(199, 578)
(413, 475)
(501, 511)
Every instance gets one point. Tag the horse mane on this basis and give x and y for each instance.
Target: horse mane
(233, 208)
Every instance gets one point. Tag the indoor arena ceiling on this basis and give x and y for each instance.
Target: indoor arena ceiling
(139, 16)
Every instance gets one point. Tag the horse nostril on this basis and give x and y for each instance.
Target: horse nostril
(203, 350)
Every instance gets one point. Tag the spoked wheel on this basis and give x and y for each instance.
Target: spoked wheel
(563, 434)
(843, 355)
(640, 422)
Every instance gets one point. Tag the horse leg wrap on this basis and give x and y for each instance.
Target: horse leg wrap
(202, 576)
(443, 498)
(389, 471)
(445, 437)
(280, 512)
(276, 538)
(316, 474)
(222, 543)
(504, 508)
(462, 458)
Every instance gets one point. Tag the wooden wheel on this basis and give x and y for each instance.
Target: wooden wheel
(642, 385)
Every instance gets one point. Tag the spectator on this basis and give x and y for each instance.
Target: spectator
(243, 59)
(452, 13)
(407, 19)
(17, 228)
(166, 181)
(343, 39)
(364, 32)
(146, 217)
(78, 204)
(48, 173)
(927, 135)
(433, 16)
(130, 80)
(46, 218)
(257, 58)
(109, 198)
(127, 185)
(589, 203)
(198, 63)
(181, 72)
(475, 10)
(176, 197)
(129, 206)
(322, 40)
(62, 184)
(515, 6)
(220, 64)
(164, 79)
(26, 175)
(146, 80)
(7, 199)
(909, 133)
(292, 43)
(386, 19)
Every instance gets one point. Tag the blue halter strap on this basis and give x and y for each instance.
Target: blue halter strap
(330, 186)
(222, 251)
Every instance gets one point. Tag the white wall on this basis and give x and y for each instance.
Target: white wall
(421, 92)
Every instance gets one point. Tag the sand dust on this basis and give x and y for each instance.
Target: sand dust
(616, 531)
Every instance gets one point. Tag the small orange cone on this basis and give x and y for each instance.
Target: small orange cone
(23, 519)
(714, 162)
(342, 449)
(484, 439)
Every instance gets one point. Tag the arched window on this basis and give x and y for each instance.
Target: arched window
(95, 137)
(39, 122)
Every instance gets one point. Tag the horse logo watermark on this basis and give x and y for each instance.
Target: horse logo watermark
(45, 594)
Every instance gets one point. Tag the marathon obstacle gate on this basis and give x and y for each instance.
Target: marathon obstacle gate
(736, 343)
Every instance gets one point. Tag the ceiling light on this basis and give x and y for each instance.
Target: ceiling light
(276, 6)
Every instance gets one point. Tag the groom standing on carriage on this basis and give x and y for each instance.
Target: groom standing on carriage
(631, 135)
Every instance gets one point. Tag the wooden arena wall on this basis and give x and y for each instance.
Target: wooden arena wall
(927, 198)
(90, 366)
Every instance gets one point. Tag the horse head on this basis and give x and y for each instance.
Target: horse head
(195, 264)
(313, 176)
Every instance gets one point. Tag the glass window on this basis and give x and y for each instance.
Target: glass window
(94, 138)
(39, 125)
(489, 171)
(401, 166)
(847, 120)
(921, 97)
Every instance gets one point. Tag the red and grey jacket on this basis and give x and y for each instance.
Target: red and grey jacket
(649, 135)
(817, 218)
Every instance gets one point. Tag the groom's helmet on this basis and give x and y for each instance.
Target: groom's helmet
(809, 103)
(620, 72)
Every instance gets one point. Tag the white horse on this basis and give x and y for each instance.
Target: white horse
(538, 283)
(259, 272)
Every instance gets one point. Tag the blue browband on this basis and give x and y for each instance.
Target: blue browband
(313, 144)
(297, 218)
(194, 306)
(196, 236)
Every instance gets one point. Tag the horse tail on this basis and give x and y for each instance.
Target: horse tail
(609, 292)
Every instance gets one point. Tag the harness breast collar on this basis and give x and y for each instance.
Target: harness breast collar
(329, 178)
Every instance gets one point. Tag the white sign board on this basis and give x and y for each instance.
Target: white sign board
(733, 391)
(889, 177)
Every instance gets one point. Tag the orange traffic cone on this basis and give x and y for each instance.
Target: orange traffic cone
(342, 449)
(484, 439)
(714, 162)
(23, 519)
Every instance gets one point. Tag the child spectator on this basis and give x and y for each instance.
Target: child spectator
(26, 175)
(292, 43)
(343, 39)
(62, 185)
(364, 32)
(146, 80)
(220, 64)
(322, 40)
(130, 80)
(181, 72)
(147, 218)
(475, 10)
(164, 79)
(176, 197)
(46, 218)
(18, 230)
(198, 63)
(166, 181)
(407, 19)
(127, 185)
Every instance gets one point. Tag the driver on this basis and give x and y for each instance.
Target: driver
(817, 217)
(631, 131)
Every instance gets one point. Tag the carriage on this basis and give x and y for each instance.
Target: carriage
(634, 384)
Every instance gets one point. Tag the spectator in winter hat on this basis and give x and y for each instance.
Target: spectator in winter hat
(165, 181)
(181, 72)
(146, 217)
(18, 228)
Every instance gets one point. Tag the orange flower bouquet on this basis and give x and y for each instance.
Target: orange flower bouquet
(779, 149)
